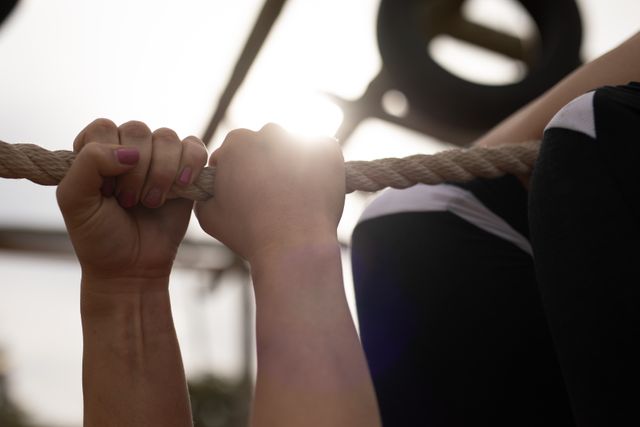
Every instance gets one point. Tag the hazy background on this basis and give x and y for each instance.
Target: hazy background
(64, 63)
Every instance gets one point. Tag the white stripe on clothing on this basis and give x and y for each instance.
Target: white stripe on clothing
(576, 115)
(444, 197)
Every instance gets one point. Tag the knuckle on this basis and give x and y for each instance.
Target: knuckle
(100, 126)
(165, 134)
(195, 151)
(239, 134)
(272, 128)
(196, 158)
(90, 149)
(135, 129)
(201, 157)
(191, 139)
(103, 124)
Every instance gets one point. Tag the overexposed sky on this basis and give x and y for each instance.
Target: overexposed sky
(67, 62)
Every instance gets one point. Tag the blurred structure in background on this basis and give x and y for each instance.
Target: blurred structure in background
(219, 403)
(6, 6)
(435, 100)
(401, 77)
(455, 108)
(10, 414)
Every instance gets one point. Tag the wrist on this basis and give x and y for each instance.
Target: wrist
(125, 278)
(304, 254)
(291, 238)
(105, 297)
(100, 283)
(131, 356)
(129, 324)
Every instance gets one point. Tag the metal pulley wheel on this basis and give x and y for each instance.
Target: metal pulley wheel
(406, 27)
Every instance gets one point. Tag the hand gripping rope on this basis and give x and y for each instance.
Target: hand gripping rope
(46, 167)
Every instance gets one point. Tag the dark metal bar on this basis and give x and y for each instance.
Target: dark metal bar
(268, 16)
(56, 244)
(488, 38)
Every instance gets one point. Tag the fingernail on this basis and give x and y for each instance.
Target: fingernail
(127, 156)
(108, 185)
(185, 176)
(127, 199)
(153, 198)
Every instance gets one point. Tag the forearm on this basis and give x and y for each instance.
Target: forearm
(619, 66)
(311, 367)
(132, 368)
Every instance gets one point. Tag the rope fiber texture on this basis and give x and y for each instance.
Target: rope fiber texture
(39, 165)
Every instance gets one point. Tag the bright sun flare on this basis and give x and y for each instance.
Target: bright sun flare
(309, 116)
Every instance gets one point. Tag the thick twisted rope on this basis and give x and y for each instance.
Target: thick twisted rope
(46, 167)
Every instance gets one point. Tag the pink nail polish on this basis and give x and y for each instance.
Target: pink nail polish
(127, 199)
(127, 156)
(185, 176)
(153, 198)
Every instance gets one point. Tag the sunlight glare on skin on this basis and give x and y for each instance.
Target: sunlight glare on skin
(310, 117)
(290, 101)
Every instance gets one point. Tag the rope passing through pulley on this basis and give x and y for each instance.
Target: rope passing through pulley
(45, 167)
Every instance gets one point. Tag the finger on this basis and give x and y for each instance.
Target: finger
(215, 156)
(233, 137)
(99, 130)
(194, 157)
(129, 187)
(79, 192)
(272, 133)
(165, 160)
(207, 213)
(103, 131)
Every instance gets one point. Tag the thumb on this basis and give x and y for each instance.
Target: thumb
(79, 191)
(208, 214)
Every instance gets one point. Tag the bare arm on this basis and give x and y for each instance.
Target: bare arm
(311, 367)
(618, 66)
(277, 204)
(132, 368)
(125, 235)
